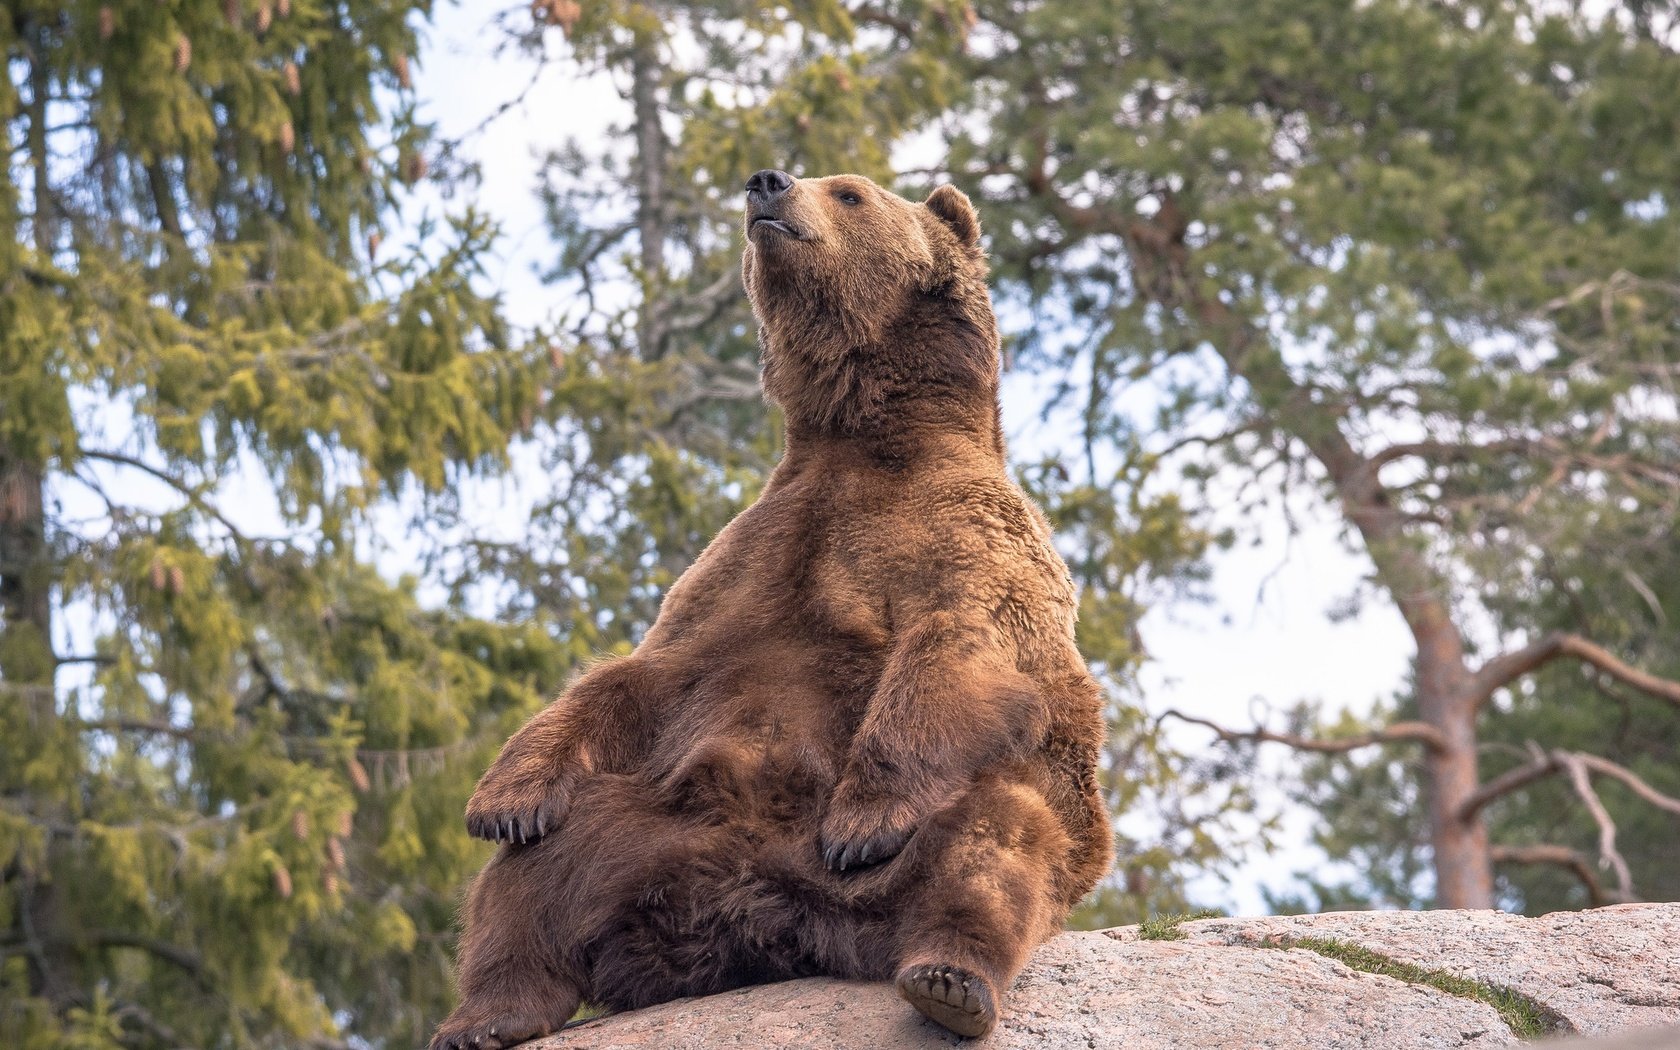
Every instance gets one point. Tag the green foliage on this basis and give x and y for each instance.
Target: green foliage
(1415, 258)
(232, 754)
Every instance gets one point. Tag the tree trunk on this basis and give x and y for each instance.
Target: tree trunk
(649, 168)
(26, 658)
(1463, 861)
(28, 666)
(1446, 700)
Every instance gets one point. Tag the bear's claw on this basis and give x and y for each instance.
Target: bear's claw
(513, 818)
(884, 844)
(956, 998)
(858, 832)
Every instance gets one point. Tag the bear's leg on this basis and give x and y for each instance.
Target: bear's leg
(987, 869)
(513, 975)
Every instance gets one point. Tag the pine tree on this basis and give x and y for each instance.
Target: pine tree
(233, 754)
(1418, 258)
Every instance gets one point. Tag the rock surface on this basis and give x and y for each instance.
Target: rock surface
(1605, 970)
(1234, 983)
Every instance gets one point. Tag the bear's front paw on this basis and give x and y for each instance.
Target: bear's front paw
(857, 834)
(506, 807)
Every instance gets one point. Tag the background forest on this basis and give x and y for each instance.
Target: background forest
(326, 457)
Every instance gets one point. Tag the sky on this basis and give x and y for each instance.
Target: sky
(1264, 637)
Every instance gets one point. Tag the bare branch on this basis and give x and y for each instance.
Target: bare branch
(1632, 780)
(873, 15)
(1546, 763)
(1607, 852)
(1561, 856)
(1399, 732)
(1505, 783)
(1446, 451)
(1502, 670)
(194, 494)
(137, 725)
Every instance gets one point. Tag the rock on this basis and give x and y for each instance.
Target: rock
(1605, 970)
(1233, 983)
(1645, 1039)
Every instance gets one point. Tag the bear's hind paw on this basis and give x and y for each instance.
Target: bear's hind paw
(469, 1029)
(954, 997)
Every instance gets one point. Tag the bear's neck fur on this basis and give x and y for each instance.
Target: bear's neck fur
(924, 386)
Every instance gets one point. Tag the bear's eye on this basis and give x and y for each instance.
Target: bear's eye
(848, 197)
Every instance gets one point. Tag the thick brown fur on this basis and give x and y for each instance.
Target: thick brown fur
(859, 740)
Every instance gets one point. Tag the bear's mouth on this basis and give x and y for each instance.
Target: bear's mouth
(767, 222)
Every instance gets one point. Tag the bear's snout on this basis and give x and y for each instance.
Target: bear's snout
(765, 186)
(767, 195)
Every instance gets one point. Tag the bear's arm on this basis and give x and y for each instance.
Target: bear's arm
(949, 704)
(599, 723)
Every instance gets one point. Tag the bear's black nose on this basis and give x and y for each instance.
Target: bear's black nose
(765, 186)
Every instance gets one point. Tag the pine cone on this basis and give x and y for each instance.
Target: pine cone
(294, 80)
(107, 22)
(183, 53)
(399, 65)
(282, 882)
(288, 137)
(300, 825)
(562, 13)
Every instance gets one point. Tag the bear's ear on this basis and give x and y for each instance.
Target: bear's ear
(954, 210)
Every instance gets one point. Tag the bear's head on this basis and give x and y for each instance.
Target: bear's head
(873, 310)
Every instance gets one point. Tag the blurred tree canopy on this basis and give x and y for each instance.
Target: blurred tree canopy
(1417, 259)
(231, 751)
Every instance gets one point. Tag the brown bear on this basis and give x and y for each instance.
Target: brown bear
(858, 741)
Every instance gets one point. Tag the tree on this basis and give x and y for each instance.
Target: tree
(1417, 257)
(232, 753)
(1547, 857)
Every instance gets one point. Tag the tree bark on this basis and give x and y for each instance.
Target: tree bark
(649, 168)
(26, 660)
(27, 664)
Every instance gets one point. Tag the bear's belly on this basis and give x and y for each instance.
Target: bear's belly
(762, 739)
